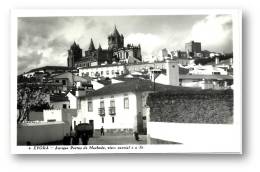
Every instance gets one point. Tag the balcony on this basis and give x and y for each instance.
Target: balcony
(112, 111)
(101, 111)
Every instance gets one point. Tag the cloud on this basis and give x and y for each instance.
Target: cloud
(27, 62)
(214, 33)
(45, 40)
(150, 43)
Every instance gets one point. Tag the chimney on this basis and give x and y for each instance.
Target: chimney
(216, 60)
(172, 72)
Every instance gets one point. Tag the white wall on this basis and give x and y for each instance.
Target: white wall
(115, 81)
(96, 85)
(39, 133)
(124, 118)
(92, 71)
(172, 74)
(197, 137)
(53, 114)
(162, 79)
(64, 115)
(72, 101)
(207, 70)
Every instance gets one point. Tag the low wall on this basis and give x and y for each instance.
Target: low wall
(115, 132)
(198, 137)
(41, 133)
(52, 114)
(192, 106)
(64, 115)
(36, 116)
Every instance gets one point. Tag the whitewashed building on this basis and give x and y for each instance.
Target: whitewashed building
(118, 107)
(169, 77)
(107, 71)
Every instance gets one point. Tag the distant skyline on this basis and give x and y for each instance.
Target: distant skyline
(45, 40)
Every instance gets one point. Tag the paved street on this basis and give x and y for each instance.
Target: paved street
(116, 140)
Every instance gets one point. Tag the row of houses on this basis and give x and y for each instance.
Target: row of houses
(114, 96)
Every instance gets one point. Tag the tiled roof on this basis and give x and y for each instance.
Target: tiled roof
(136, 85)
(51, 68)
(69, 75)
(183, 71)
(215, 77)
(58, 97)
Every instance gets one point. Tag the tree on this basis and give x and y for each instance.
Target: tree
(30, 98)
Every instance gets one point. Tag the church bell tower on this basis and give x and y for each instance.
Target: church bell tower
(115, 40)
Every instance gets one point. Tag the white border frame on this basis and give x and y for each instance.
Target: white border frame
(237, 52)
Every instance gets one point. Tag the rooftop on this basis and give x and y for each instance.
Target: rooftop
(51, 68)
(69, 75)
(213, 77)
(135, 85)
(62, 97)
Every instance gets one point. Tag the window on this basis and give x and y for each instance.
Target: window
(64, 106)
(113, 119)
(101, 73)
(51, 120)
(102, 104)
(112, 72)
(79, 104)
(102, 119)
(107, 72)
(126, 103)
(112, 103)
(90, 106)
(63, 82)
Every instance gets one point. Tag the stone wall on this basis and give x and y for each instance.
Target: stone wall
(115, 132)
(192, 106)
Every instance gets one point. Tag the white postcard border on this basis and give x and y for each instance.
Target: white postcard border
(234, 147)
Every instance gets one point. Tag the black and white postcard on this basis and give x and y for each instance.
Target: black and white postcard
(126, 81)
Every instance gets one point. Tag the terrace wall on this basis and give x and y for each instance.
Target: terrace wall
(194, 106)
(202, 120)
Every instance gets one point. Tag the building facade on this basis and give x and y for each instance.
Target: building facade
(106, 71)
(113, 112)
(192, 48)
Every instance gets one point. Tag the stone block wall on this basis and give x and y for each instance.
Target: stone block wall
(192, 106)
(115, 132)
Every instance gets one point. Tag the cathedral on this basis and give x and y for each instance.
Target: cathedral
(116, 53)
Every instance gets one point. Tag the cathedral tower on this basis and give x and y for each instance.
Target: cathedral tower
(115, 40)
(91, 46)
(74, 54)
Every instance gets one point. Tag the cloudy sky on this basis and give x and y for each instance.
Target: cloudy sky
(45, 40)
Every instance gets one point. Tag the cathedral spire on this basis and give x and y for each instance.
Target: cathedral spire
(91, 45)
(74, 45)
(99, 47)
(115, 32)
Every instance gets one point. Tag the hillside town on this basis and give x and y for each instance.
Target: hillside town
(106, 92)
